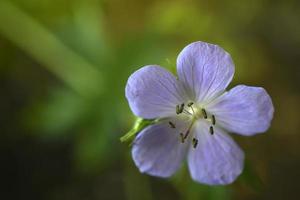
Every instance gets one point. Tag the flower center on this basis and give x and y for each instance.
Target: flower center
(194, 113)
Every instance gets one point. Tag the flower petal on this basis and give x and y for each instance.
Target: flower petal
(244, 110)
(205, 69)
(158, 151)
(217, 159)
(154, 92)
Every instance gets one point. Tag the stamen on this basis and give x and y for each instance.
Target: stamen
(211, 130)
(187, 133)
(181, 137)
(172, 125)
(204, 113)
(189, 129)
(195, 142)
(213, 119)
(190, 104)
(187, 112)
(179, 108)
(182, 107)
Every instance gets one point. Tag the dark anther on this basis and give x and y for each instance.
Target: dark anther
(182, 137)
(204, 113)
(213, 119)
(179, 108)
(172, 125)
(190, 104)
(195, 142)
(211, 130)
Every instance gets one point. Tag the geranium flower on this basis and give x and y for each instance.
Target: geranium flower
(195, 113)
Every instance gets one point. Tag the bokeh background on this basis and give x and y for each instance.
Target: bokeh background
(63, 69)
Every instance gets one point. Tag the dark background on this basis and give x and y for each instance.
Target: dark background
(63, 70)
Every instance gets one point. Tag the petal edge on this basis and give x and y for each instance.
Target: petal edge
(205, 69)
(217, 160)
(157, 150)
(243, 110)
(153, 92)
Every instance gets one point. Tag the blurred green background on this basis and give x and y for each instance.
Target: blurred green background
(63, 69)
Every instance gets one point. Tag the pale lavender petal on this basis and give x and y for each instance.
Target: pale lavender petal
(153, 92)
(158, 151)
(244, 110)
(205, 69)
(217, 159)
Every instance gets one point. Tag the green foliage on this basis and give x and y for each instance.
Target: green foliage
(251, 178)
(80, 54)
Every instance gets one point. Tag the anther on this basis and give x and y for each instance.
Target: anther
(179, 108)
(172, 125)
(195, 142)
(190, 104)
(181, 137)
(204, 113)
(213, 119)
(211, 130)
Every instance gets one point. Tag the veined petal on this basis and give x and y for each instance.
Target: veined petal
(153, 92)
(205, 69)
(217, 159)
(158, 150)
(244, 110)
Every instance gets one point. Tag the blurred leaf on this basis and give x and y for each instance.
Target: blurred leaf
(84, 32)
(29, 35)
(97, 142)
(89, 25)
(62, 111)
(173, 17)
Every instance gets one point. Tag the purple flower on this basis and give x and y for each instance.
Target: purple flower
(195, 115)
